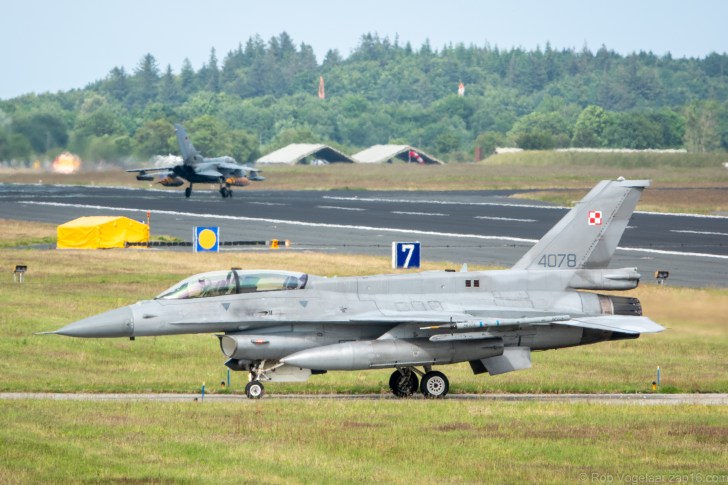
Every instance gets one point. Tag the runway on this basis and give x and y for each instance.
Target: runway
(641, 399)
(481, 227)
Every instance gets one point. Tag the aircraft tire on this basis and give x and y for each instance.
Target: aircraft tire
(254, 390)
(401, 387)
(434, 385)
(188, 192)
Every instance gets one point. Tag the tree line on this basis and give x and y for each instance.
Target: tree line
(264, 94)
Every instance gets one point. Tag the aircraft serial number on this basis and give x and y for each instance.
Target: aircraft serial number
(560, 260)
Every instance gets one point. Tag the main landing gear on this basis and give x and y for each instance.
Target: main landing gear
(404, 382)
(225, 189)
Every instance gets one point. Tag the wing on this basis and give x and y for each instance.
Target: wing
(146, 174)
(143, 171)
(611, 323)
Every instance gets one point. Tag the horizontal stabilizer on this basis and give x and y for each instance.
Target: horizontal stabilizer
(618, 323)
(513, 358)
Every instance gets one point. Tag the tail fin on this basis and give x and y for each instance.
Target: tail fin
(587, 236)
(187, 150)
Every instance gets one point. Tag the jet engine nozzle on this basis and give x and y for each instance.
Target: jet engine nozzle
(237, 181)
(171, 182)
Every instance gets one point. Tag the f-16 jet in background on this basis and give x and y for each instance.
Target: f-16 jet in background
(198, 170)
(286, 326)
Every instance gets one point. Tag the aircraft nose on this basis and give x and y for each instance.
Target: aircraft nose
(114, 323)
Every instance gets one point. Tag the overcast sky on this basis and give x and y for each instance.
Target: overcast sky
(52, 45)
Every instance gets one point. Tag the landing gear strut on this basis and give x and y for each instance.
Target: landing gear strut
(225, 189)
(404, 382)
(255, 389)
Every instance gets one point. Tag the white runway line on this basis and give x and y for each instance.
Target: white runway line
(334, 207)
(701, 233)
(434, 214)
(488, 218)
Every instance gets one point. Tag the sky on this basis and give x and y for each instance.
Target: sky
(52, 45)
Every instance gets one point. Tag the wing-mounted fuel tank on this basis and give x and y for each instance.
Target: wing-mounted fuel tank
(374, 354)
(145, 177)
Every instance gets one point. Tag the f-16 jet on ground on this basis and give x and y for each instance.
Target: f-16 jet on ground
(198, 170)
(286, 326)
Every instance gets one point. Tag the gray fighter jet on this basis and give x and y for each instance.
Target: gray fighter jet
(198, 170)
(286, 326)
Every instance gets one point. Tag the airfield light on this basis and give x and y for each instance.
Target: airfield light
(18, 273)
(661, 276)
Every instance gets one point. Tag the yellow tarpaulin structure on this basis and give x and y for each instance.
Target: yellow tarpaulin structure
(101, 232)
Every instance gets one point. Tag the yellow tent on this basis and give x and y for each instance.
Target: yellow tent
(101, 232)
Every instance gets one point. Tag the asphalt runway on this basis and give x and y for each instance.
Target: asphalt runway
(481, 227)
(641, 399)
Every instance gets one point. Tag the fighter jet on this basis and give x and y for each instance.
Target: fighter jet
(286, 326)
(198, 170)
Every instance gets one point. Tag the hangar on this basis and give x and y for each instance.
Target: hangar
(304, 153)
(391, 153)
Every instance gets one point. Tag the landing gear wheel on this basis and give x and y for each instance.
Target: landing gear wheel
(224, 192)
(434, 385)
(254, 390)
(403, 385)
(188, 192)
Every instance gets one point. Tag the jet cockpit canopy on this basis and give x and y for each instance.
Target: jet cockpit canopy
(232, 282)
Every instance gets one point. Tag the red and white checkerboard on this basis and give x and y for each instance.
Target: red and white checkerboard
(595, 218)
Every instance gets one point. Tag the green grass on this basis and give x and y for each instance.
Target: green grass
(389, 442)
(295, 441)
(36, 241)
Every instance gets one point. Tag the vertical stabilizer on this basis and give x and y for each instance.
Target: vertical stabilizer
(187, 150)
(587, 236)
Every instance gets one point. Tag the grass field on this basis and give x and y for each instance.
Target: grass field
(334, 442)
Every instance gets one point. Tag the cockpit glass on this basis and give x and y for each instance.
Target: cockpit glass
(221, 283)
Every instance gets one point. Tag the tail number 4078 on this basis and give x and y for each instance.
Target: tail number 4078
(561, 260)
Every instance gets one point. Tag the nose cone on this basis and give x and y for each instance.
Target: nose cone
(114, 323)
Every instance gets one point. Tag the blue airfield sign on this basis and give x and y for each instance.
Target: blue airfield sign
(405, 255)
(207, 239)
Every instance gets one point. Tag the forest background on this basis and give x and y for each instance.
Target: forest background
(265, 94)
